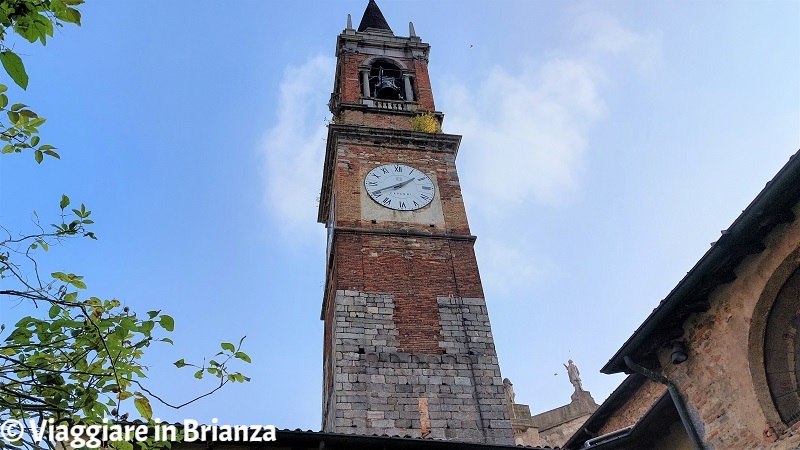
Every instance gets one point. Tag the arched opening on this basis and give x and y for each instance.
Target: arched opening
(782, 350)
(386, 81)
(773, 344)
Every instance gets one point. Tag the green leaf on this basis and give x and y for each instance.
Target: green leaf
(18, 106)
(8, 149)
(228, 346)
(14, 67)
(38, 155)
(167, 322)
(50, 152)
(13, 117)
(70, 15)
(35, 122)
(199, 374)
(61, 276)
(179, 363)
(54, 310)
(243, 356)
(35, 141)
(124, 395)
(143, 406)
(57, 6)
(64, 201)
(167, 340)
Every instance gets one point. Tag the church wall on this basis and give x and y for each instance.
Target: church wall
(637, 404)
(717, 378)
(720, 380)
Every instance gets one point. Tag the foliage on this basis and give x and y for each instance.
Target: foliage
(34, 20)
(426, 122)
(80, 362)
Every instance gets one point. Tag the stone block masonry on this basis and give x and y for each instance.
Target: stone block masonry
(454, 394)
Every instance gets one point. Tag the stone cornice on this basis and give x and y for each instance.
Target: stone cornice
(404, 233)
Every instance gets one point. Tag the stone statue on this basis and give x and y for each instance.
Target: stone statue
(509, 388)
(574, 375)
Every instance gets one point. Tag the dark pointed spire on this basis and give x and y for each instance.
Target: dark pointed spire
(373, 18)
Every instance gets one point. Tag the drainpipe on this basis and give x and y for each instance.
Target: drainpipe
(683, 412)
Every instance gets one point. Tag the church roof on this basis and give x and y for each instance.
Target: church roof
(771, 207)
(373, 18)
(314, 440)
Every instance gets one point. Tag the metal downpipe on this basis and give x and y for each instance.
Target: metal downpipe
(677, 399)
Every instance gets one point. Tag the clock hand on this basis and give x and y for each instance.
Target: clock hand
(396, 186)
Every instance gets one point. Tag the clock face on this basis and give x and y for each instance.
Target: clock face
(399, 187)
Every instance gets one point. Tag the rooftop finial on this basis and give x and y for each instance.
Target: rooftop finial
(411, 32)
(373, 18)
(349, 22)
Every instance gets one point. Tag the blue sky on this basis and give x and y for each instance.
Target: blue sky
(605, 145)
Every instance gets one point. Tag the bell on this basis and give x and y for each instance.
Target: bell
(386, 87)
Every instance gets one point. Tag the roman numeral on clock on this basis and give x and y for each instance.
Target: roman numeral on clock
(410, 187)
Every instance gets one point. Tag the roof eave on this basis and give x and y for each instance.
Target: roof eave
(778, 196)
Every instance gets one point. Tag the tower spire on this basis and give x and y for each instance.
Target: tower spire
(373, 18)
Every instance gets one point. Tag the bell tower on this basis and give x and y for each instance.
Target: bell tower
(408, 349)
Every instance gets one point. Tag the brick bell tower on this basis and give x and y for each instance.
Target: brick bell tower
(408, 348)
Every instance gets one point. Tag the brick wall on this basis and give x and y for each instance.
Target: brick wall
(415, 271)
(638, 404)
(379, 389)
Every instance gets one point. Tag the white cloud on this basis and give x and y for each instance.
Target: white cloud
(605, 35)
(293, 150)
(527, 131)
